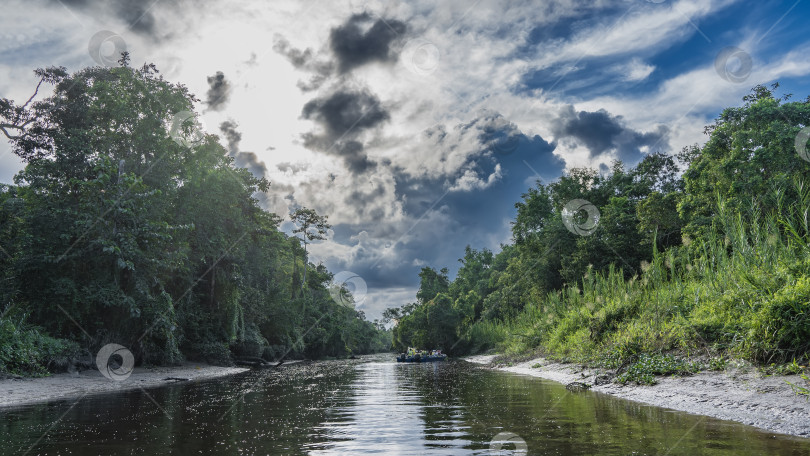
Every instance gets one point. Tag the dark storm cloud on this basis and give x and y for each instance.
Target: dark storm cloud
(357, 42)
(305, 60)
(354, 156)
(354, 43)
(218, 91)
(602, 132)
(138, 15)
(247, 160)
(346, 112)
(344, 115)
(301, 60)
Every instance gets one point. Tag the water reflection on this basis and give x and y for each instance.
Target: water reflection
(371, 406)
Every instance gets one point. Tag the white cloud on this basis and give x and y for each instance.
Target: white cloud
(470, 180)
(636, 70)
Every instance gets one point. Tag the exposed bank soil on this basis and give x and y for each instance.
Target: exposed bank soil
(744, 396)
(14, 392)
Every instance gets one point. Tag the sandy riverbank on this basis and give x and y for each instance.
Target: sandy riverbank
(745, 397)
(14, 392)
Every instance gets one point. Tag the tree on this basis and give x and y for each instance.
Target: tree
(313, 226)
(751, 151)
(432, 283)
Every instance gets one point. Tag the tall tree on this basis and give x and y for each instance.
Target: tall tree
(312, 226)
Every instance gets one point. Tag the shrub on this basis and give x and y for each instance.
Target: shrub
(26, 351)
(781, 328)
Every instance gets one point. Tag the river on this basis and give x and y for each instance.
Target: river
(373, 406)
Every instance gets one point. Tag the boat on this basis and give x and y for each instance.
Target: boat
(416, 356)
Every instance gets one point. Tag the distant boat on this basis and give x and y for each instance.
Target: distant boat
(420, 358)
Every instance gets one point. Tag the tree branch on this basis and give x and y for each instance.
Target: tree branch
(35, 93)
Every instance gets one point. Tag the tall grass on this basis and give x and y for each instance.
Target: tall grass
(744, 291)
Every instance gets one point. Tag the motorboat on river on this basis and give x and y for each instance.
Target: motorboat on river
(421, 356)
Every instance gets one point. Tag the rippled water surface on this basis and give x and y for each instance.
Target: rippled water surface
(372, 406)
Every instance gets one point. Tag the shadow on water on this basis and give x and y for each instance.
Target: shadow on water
(372, 406)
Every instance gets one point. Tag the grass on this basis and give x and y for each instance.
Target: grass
(801, 390)
(742, 293)
(647, 367)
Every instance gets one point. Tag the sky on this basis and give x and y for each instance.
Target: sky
(415, 126)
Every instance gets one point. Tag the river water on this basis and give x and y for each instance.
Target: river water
(373, 406)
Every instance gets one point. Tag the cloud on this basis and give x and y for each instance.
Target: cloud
(219, 90)
(470, 180)
(636, 70)
(344, 115)
(640, 29)
(358, 41)
(293, 168)
(139, 16)
(346, 112)
(354, 47)
(247, 160)
(601, 132)
(306, 60)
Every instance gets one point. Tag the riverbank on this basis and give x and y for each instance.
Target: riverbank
(23, 391)
(741, 395)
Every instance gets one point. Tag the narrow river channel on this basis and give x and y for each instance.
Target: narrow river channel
(373, 406)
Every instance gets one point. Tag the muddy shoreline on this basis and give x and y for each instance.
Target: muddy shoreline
(25, 391)
(744, 396)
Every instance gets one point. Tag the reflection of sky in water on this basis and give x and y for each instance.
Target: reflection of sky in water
(382, 412)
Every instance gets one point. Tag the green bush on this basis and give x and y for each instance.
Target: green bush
(26, 351)
(781, 327)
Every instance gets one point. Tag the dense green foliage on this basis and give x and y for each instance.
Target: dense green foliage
(707, 254)
(127, 226)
